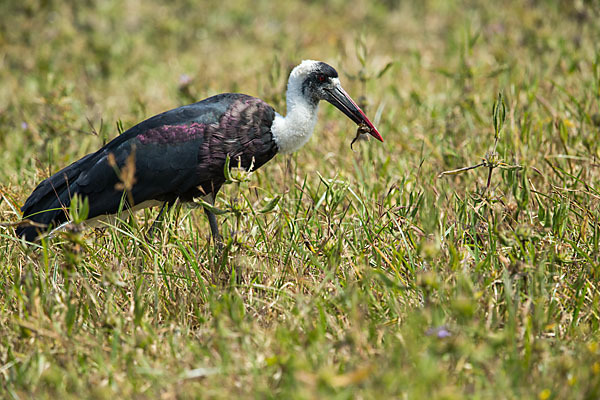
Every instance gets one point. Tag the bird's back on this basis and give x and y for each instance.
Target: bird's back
(180, 153)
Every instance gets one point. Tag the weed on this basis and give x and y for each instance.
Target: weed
(344, 274)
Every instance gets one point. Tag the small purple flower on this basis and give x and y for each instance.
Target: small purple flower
(441, 332)
(185, 79)
(24, 125)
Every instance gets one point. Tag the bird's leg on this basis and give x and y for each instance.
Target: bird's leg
(218, 241)
(212, 219)
(165, 207)
(218, 256)
(217, 261)
(214, 229)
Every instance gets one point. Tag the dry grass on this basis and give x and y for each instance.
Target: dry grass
(373, 277)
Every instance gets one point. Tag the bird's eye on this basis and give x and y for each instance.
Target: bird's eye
(322, 78)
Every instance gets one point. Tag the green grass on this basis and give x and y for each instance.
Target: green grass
(374, 276)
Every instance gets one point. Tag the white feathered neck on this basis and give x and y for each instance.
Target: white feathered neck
(293, 131)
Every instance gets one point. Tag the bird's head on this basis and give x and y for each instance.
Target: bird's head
(319, 81)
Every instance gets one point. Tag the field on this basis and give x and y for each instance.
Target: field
(387, 271)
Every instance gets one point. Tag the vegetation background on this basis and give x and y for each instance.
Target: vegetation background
(374, 276)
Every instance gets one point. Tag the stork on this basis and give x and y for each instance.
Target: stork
(181, 154)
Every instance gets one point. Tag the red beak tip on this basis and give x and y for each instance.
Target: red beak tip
(375, 133)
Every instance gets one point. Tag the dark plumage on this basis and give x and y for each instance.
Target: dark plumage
(178, 154)
(181, 154)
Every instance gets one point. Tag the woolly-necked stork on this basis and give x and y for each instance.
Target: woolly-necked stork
(181, 154)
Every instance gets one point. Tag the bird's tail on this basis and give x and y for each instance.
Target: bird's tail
(48, 204)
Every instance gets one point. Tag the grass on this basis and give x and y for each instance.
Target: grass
(373, 276)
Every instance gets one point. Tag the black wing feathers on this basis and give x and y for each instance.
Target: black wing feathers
(175, 153)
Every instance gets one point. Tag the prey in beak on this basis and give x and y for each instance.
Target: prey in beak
(337, 96)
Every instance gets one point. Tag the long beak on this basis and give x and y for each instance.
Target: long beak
(343, 102)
